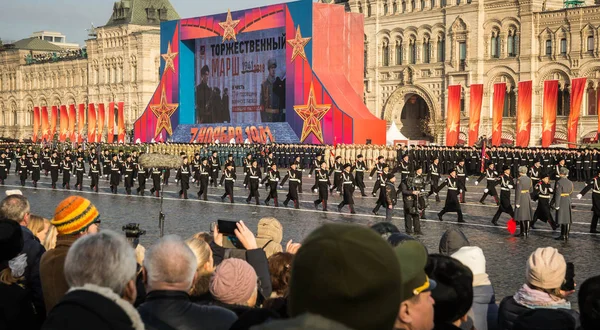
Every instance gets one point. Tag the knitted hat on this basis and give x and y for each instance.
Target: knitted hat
(348, 274)
(546, 268)
(11, 239)
(73, 215)
(472, 257)
(233, 282)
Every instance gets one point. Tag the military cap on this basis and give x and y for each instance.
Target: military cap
(412, 256)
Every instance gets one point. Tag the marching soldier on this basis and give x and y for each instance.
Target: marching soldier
(523, 214)
(379, 170)
(46, 160)
(203, 174)
(253, 176)
(323, 183)
(22, 170)
(292, 195)
(156, 173)
(347, 187)
(337, 173)
(403, 168)
(128, 169)
(360, 167)
(594, 186)
(543, 193)
(381, 181)
(587, 165)
(272, 178)
(183, 176)
(299, 171)
(452, 203)
(461, 176)
(4, 167)
(106, 160)
(535, 172)
(579, 166)
(35, 165)
(506, 184)
(434, 178)
(229, 177)
(115, 174)
(54, 168)
(215, 168)
(491, 177)
(391, 197)
(562, 201)
(66, 167)
(247, 163)
(269, 161)
(95, 174)
(79, 171)
(196, 169)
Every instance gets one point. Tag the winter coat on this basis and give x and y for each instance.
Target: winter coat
(174, 310)
(484, 308)
(509, 311)
(305, 321)
(523, 198)
(34, 251)
(16, 308)
(92, 307)
(52, 271)
(452, 240)
(562, 200)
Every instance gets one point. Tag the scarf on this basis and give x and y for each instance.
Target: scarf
(534, 299)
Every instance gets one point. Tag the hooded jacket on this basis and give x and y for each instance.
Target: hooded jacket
(269, 236)
(452, 240)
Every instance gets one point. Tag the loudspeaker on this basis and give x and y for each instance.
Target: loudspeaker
(368, 141)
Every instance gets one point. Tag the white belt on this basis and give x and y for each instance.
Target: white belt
(229, 179)
(274, 180)
(596, 191)
(347, 182)
(297, 180)
(203, 173)
(405, 172)
(358, 170)
(435, 173)
(491, 179)
(452, 188)
(544, 196)
(534, 178)
(181, 172)
(95, 171)
(505, 189)
(322, 180)
(253, 177)
(460, 174)
(337, 171)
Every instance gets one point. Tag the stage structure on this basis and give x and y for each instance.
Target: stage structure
(224, 77)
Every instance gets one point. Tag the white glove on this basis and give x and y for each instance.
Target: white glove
(495, 172)
(550, 190)
(517, 206)
(309, 176)
(175, 180)
(220, 185)
(557, 208)
(370, 178)
(260, 184)
(315, 190)
(233, 181)
(280, 187)
(467, 179)
(510, 186)
(245, 186)
(89, 177)
(193, 180)
(460, 191)
(486, 190)
(303, 170)
(579, 196)
(435, 193)
(476, 182)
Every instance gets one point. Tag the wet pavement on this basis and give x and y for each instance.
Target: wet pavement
(505, 255)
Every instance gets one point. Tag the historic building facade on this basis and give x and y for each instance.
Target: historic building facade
(120, 62)
(415, 49)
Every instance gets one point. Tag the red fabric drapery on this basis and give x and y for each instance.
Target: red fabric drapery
(64, 124)
(453, 115)
(36, 123)
(111, 123)
(549, 112)
(100, 122)
(72, 119)
(497, 110)
(91, 123)
(53, 119)
(80, 123)
(121, 122)
(476, 99)
(524, 114)
(45, 124)
(577, 90)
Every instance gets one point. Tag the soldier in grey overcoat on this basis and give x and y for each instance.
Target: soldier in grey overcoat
(523, 212)
(562, 203)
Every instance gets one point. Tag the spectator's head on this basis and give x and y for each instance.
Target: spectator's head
(545, 319)
(106, 260)
(385, 229)
(11, 244)
(416, 308)
(472, 257)
(589, 303)
(269, 236)
(38, 226)
(205, 268)
(396, 239)
(348, 274)
(16, 208)
(169, 265)
(454, 292)
(280, 266)
(452, 240)
(49, 242)
(76, 215)
(546, 269)
(204, 236)
(235, 283)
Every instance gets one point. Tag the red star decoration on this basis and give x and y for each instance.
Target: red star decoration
(312, 113)
(298, 43)
(163, 112)
(169, 57)
(229, 27)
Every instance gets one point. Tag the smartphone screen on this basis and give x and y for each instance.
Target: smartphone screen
(227, 227)
(569, 284)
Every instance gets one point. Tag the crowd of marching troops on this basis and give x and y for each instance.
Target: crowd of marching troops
(343, 168)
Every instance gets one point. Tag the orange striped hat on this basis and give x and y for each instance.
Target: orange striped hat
(73, 215)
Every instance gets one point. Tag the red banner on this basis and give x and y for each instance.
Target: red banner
(91, 123)
(497, 111)
(453, 115)
(80, 123)
(64, 124)
(549, 112)
(45, 124)
(476, 99)
(111, 123)
(36, 123)
(72, 119)
(121, 122)
(53, 119)
(100, 122)
(524, 114)
(577, 91)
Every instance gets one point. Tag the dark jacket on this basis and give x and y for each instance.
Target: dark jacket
(16, 308)
(52, 270)
(174, 310)
(510, 310)
(304, 321)
(484, 308)
(93, 308)
(34, 251)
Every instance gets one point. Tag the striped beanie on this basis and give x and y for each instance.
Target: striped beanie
(73, 215)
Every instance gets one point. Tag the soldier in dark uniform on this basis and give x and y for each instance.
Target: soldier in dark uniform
(269, 100)
(229, 177)
(381, 180)
(452, 203)
(337, 173)
(322, 182)
(54, 168)
(543, 194)
(523, 212)
(253, 177)
(183, 176)
(128, 170)
(360, 167)
(391, 197)
(215, 167)
(461, 176)
(347, 187)
(22, 169)
(272, 180)
(506, 184)
(203, 174)
(95, 174)
(491, 177)
(535, 172)
(579, 166)
(66, 167)
(46, 160)
(4, 167)
(587, 165)
(292, 195)
(315, 165)
(410, 197)
(403, 168)
(594, 186)
(269, 160)
(378, 168)
(79, 171)
(562, 203)
(246, 163)
(156, 173)
(299, 170)
(195, 168)
(35, 167)
(106, 158)
(434, 178)
(115, 174)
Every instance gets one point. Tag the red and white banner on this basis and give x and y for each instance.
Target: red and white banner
(36, 123)
(53, 119)
(121, 122)
(100, 122)
(72, 119)
(549, 112)
(453, 115)
(64, 124)
(497, 112)
(577, 91)
(45, 124)
(111, 123)
(91, 123)
(524, 114)
(475, 102)
(80, 122)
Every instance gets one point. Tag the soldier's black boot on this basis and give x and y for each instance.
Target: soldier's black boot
(408, 223)
(275, 202)
(317, 204)
(562, 233)
(267, 200)
(285, 203)
(521, 229)
(296, 204)
(482, 200)
(257, 200)
(567, 231)
(526, 226)
(324, 205)
(594, 225)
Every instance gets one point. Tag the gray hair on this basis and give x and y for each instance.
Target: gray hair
(170, 260)
(563, 171)
(105, 259)
(522, 170)
(15, 207)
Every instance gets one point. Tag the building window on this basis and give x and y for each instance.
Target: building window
(426, 51)
(591, 94)
(404, 6)
(443, 3)
(365, 60)
(548, 47)
(495, 44)
(395, 7)
(14, 118)
(432, 3)
(413, 5)
(368, 10)
(563, 46)
(422, 4)
(386, 55)
(512, 44)
(399, 58)
(457, 2)
(462, 55)
(360, 10)
(441, 49)
(412, 50)
(385, 9)
(590, 44)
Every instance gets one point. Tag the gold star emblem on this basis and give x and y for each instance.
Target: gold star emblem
(472, 126)
(163, 112)
(571, 124)
(496, 126)
(548, 126)
(169, 57)
(452, 127)
(298, 43)
(229, 27)
(523, 126)
(312, 113)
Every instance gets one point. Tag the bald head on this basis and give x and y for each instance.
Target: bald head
(170, 265)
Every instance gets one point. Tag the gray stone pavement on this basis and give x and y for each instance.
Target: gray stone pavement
(506, 255)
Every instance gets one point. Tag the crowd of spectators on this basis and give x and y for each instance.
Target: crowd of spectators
(342, 276)
(64, 55)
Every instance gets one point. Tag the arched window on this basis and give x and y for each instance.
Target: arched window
(591, 94)
(399, 53)
(511, 45)
(386, 54)
(432, 3)
(395, 7)
(368, 10)
(413, 6)
(385, 8)
(360, 10)
(412, 50)
(563, 46)
(422, 4)
(14, 118)
(404, 6)
(590, 44)
(441, 49)
(426, 50)
(564, 100)
(495, 44)
(548, 47)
